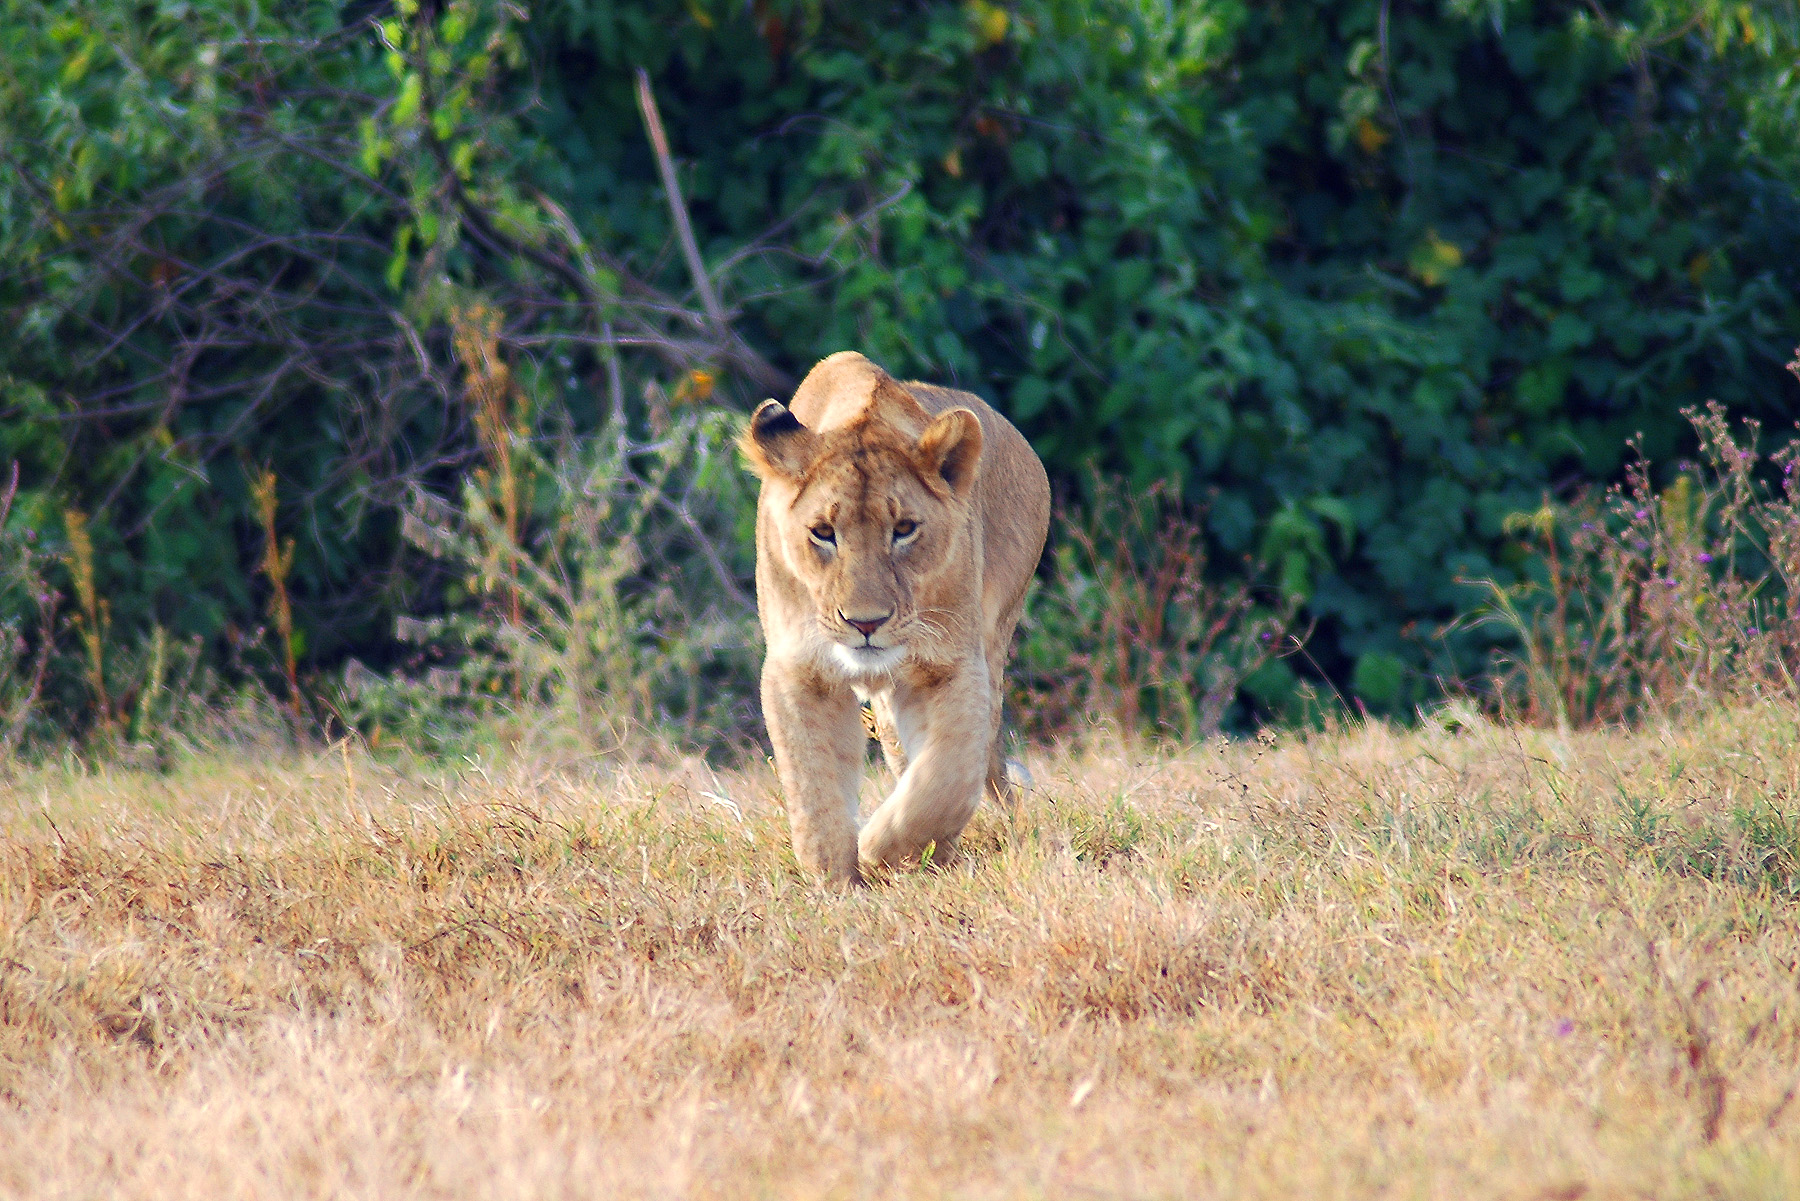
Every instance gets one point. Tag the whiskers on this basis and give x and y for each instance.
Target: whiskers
(917, 636)
(935, 629)
(925, 632)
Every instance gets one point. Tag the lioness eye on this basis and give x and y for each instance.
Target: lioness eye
(823, 533)
(905, 529)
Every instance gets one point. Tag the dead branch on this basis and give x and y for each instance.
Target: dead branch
(684, 230)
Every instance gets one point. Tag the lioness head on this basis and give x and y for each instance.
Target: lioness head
(871, 516)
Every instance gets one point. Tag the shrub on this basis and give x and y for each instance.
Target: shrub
(1643, 600)
(62, 673)
(26, 642)
(599, 584)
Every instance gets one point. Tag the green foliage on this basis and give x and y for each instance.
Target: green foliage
(1360, 279)
(1379, 283)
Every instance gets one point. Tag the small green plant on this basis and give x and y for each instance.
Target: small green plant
(1097, 836)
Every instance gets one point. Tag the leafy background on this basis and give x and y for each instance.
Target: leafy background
(1354, 280)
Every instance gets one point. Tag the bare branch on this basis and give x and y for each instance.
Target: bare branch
(684, 230)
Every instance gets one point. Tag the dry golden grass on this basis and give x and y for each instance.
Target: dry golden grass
(1483, 963)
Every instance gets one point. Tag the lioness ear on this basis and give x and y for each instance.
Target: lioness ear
(777, 444)
(950, 448)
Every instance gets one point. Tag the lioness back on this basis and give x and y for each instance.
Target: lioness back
(897, 530)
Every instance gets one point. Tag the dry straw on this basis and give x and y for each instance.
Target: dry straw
(1489, 963)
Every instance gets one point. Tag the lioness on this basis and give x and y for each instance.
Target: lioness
(897, 528)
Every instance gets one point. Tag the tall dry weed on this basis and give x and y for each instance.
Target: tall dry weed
(276, 566)
(92, 618)
(1133, 627)
(26, 644)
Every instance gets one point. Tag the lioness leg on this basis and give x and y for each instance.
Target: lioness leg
(942, 783)
(1000, 784)
(888, 732)
(814, 723)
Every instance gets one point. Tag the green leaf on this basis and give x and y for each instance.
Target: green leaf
(1379, 678)
(406, 108)
(396, 268)
(374, 148)
(1540, 389)
(1029, 396)
(1339, 515)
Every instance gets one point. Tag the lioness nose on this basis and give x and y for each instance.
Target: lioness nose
(865, 625)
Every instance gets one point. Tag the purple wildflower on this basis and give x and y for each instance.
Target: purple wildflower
(1564, 1028)
(1704, 557)
(1641, 514)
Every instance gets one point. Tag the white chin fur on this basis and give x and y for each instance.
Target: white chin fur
(867, 662)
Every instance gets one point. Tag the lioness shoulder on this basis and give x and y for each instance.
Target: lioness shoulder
(897, 528)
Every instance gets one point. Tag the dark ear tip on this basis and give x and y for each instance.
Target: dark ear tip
(773, 418)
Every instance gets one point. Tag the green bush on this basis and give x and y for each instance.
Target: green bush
(1360, 278)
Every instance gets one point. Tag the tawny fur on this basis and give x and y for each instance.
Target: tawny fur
(919, 507)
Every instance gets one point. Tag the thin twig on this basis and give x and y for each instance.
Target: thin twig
(727, 581)
(690, 250)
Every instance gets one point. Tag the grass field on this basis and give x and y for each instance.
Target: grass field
(1481, 963)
